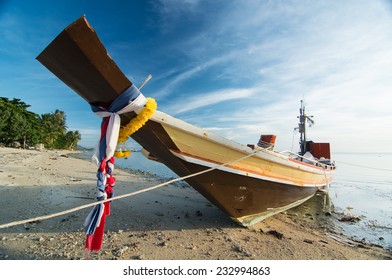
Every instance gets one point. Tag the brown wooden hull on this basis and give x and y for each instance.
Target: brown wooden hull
(245, 199)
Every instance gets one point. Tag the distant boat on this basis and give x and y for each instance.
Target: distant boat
(263, 183)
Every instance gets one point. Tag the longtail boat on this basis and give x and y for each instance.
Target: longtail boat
(264, 182)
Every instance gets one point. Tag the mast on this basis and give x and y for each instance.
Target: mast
(302, 127)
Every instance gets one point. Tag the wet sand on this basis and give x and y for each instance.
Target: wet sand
(173, 222)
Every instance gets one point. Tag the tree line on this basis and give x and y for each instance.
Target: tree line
(20, 126)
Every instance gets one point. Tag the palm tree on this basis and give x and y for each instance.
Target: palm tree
(52, 127)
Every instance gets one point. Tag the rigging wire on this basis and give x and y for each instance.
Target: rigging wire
(292, 139)
(364, 166)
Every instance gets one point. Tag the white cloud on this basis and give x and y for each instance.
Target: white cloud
(336, 55)
(209, 99)
(186, 75)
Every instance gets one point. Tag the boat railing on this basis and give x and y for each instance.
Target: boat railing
(315, 162)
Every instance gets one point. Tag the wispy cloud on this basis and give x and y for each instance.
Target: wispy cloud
(172, 11)
(336, 55)
(210, 99)
(182, 77)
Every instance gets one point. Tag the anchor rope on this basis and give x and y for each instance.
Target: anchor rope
(46, 217)
(364, 166)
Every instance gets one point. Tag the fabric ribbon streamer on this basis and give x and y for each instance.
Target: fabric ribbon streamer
(130, 100)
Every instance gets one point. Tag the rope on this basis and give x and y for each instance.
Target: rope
(364, 166)
(326, 182)
(46, 217)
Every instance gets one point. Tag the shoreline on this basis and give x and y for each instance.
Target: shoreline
(172, 222)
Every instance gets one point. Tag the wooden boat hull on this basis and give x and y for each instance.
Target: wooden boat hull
(249, 190)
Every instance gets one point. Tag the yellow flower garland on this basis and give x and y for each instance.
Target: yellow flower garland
(121, 154)
(134, 125)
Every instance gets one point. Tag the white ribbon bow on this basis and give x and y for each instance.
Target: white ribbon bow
(114, 125)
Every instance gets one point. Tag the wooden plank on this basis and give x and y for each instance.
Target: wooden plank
(78, 58)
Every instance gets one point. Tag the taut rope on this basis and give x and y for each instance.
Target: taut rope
(46, 217)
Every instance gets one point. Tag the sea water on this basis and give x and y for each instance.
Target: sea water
(362, 188)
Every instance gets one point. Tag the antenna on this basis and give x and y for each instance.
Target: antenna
(302, 127)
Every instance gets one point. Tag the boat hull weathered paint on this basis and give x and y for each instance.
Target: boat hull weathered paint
(248, 190)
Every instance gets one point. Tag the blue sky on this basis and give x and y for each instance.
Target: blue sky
(237, 68)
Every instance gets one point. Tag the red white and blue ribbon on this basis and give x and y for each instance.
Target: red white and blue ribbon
(130, 100)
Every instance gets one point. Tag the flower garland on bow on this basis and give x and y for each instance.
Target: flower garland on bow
(134, 125)
(122, 154)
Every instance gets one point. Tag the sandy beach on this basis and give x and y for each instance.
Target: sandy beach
(173, 222)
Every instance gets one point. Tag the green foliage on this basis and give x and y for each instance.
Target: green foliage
(68, 140)
(17, 124)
